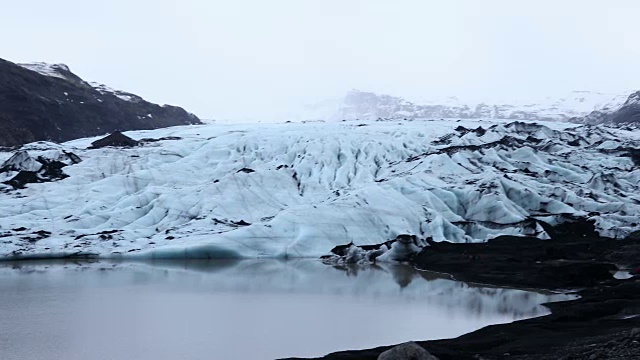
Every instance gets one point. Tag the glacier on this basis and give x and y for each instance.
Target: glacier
(297, 190)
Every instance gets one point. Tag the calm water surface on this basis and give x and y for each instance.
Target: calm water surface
(236, 309)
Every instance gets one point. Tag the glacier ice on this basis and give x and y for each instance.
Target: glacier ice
(315, 186)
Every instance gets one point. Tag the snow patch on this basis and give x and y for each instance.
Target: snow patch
(51, 70)
(105, 90)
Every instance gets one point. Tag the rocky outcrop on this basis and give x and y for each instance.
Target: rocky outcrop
(49, 102)
(407, 351)
(116, 139)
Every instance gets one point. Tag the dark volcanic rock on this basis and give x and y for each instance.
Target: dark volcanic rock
(23, 178)
(62, 107)
(574, 257)
(117, 139)
(407, 351)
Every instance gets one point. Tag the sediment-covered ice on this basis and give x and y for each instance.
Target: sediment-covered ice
(298, 190)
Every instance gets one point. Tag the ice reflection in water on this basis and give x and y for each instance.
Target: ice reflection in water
(236, 309)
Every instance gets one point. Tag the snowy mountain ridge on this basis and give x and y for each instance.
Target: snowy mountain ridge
(627, 112)
(299, 190)
(360, 105)
(54, 70)
(62, 71)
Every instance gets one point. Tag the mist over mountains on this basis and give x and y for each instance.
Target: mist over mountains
(362, 105)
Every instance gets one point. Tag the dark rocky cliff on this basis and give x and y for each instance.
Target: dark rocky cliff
(51, 103)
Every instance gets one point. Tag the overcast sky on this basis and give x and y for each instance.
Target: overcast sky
(239, 57)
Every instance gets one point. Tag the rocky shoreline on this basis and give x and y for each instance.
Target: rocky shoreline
(604, 323)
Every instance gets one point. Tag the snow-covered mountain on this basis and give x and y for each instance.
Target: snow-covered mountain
(370, 106)
(62, 71)
(40, 101)
(627, 112)
(299, 190)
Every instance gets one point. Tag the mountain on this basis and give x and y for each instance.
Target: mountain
(41, 101)
(627, 112)
(371, 106)
(366, 189)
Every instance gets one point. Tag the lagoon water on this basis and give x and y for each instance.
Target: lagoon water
(262, 309)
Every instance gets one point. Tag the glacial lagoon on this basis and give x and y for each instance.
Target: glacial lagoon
(244, 309)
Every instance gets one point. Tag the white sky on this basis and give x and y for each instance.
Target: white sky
(236, 58)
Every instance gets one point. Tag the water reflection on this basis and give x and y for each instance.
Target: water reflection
(236, 309)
